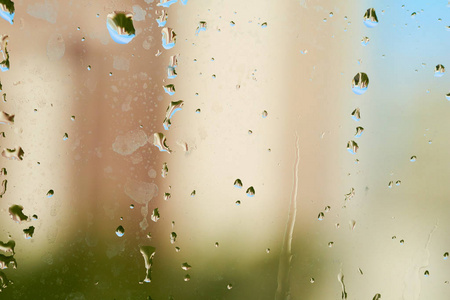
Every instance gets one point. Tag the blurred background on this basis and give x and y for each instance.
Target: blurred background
(267, 99)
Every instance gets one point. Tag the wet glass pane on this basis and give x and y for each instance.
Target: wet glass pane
(192, 149)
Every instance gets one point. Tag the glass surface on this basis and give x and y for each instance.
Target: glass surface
(224, 149)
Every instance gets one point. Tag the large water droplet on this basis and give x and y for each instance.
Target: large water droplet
(120, 231)
(439, 71)
(7, 10)
(6, 118)
(6, 261)
(171, 110)
(159, 140)
(250, 191)
(168, 38)
(15, 212)
(120, 26)
(356, 114)
(162, 19)
(201, 27)
(360, 83)
(148, 252)
(238, 183)
(352, 147)
(169, 89)
(8, 247)
(370, 18)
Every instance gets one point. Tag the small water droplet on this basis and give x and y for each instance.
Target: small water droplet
(159, 140)
(50, 193)
(446, 255)
(390, 184)
(264, 25)
(268, 250)
(402, 242)
(330, 14)
(16, 213)
(173, 237)
(377, 297)
(164, 170)
(439, 71)
(173, 107)
(162, 19)
(202, 26)
(370, 18)
(413, 158)
(120, 231)
(320, 216)
(360, 83)
(229, 286)
(311, 280)
(131, 206)
(413, 14)
(120, 27)
(264, 114)
(198, 110)
(72, 118)
(398, 182)
(148, 252)
(28, 232)
(232, 23)
(356, 114)
(187, 277)
(155, 215)
(250, 132)
(327, 208)
(250, 191)
(238, 183)
(330, 244)
(359, 131)
(193, 193)
(168, 38)
(65, 137)
(426, 273)
(169, 89)
(167, 196)
(177, 249)
(352, 147)
(185, 266)
(365, 41)
(352, 224)
(238, 202)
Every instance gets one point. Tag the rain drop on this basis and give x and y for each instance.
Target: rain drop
(356, 114)
(250, 191)
(360, 83)
(120, 231)
(50, 193)
(439, 71)
(238, 183)
(370, 18)
(120, 27)
(352, 147)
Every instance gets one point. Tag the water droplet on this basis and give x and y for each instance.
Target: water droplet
(320, 216)
(402, 242)
(131, 206)
(232, 23)
(250, 191)
(89, 67)
(28, 232)
(6, 118)
(164, 170)
(185, 266)
(391, 183)
(446, 255)
(327, 208)
(120, 231)
(350, 194)
(201, 27)
(413, 14)
(356, 114)
(50, 193)
(413, 158)
(352, 147)
(264, 25)
(171, 110)
(439, 71)
(159, 140)
(187, 277)
(359, 131)
(167, 3)
(171, 72)
(370, 18)
(377, 297)
(168, 38)
(360, 83)
(398, 182)
(426, 273)
(4, 64)
(352, 224)
(229, 286)
(65, 137)
(173, 237)
(169, 89)
(7, 12)
(264, 114)
(198, 110)
(120, 27)
(149, 235)
(6, 261)
(167, 196)
(15, 212)
(250, 132)
(155, 215)
(148, 252)
(8, 247)
(365, 41)
(177, 249)
(330, 244)
(340, 278)
(311, 280)
(216, 244)
(72, 118)
(238, 183)
(162, 19)
(360, 271)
